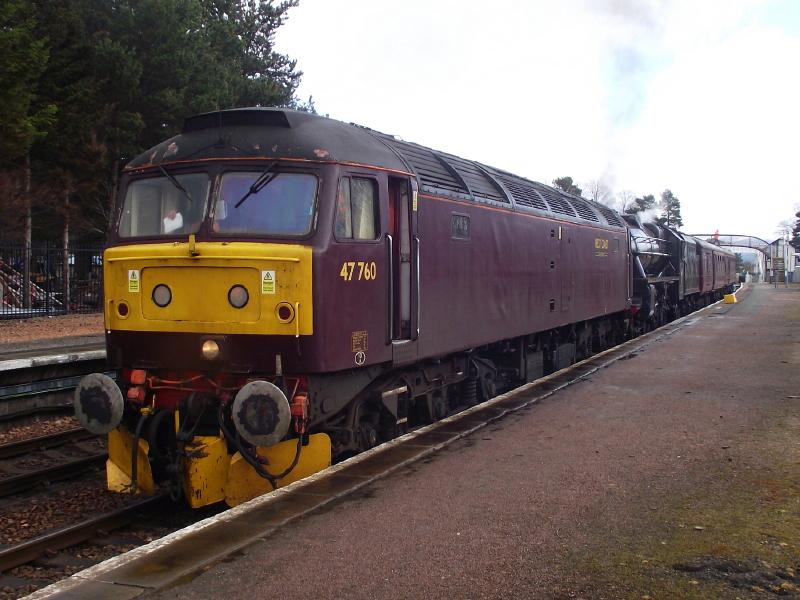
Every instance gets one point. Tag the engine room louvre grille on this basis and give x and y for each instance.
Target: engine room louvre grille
(432, 173)
(557, 204)
(610, 215)
(584, 210)
(481, 187)
(522, 190)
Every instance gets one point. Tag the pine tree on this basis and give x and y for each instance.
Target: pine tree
(642, 204)
(795, 239)
(566, 184)
(670, 211)
(23, 117)
(103, 81)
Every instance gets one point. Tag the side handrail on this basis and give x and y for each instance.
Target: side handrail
(390, 262)
(419, 283)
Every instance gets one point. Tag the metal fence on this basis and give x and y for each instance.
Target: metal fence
(60, 282)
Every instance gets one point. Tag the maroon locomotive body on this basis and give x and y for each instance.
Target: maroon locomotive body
(372, 282)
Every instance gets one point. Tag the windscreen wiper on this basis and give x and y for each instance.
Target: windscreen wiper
(175, 182)
(259, 184)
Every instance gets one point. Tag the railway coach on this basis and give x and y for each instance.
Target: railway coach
(283, 289)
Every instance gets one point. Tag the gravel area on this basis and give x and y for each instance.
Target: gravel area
(62, 504)
(44, 426)
(46, 328)
(21, 581)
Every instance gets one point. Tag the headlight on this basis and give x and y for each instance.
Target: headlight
(238, 296)
(210, 349)
(162, 295)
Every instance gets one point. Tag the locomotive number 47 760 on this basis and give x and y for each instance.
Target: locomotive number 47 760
(358, 270)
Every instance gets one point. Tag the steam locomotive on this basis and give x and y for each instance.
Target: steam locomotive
(283, 290)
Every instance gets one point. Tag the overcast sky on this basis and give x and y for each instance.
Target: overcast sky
(698, 96)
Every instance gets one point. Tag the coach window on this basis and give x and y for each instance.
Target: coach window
(357, 209)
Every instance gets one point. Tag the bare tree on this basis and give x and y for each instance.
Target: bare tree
(600, 192)
(784, 229)
(625, 197)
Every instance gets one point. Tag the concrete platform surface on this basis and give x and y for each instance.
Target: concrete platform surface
(672, 473)
(22, 355)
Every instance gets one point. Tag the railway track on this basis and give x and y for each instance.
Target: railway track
(41, 381)
(16, 484)
(25, 399)
(59, 539)
(48, 458)
(44, 442)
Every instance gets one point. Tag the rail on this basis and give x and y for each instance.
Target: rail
(31, 549)
(44, 442)
(36, 388)
(25, 481)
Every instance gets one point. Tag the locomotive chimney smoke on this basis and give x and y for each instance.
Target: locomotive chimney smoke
(649, 215)
(635, 32)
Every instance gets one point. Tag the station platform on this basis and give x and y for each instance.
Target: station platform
(666, 467)
(43, 341)
(52, 352)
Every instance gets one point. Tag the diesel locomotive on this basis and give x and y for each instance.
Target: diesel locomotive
(283, 290)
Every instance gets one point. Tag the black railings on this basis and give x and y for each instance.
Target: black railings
(61, 280)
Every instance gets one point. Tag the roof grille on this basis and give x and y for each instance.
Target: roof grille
(440, 172)
(583, 209)
(479, 185)
(610, 215)
(522, 190)
(431, 172)
(556, 202)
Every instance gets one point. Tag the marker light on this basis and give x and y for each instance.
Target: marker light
(162, 295)
(238, 296)
(210, 349)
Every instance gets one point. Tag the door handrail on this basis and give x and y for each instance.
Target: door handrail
(390, 320)
(419, 282)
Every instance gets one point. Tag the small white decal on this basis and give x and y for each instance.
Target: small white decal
(267, 282)
(133, 281)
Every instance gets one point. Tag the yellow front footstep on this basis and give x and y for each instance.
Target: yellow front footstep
(244, 484)
(205, 469)
(118, 465)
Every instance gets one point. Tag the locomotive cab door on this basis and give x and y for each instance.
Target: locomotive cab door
(403, 255)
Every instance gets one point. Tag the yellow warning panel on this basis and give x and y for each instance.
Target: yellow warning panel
(205, 470)
(730, 299)
(118, 465)
(133, 281)
(244, 483)
(267, 282)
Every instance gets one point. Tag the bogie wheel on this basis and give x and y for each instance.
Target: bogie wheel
(439, 405)
(367, 435)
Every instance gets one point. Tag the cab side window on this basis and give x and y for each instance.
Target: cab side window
(357, 209)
